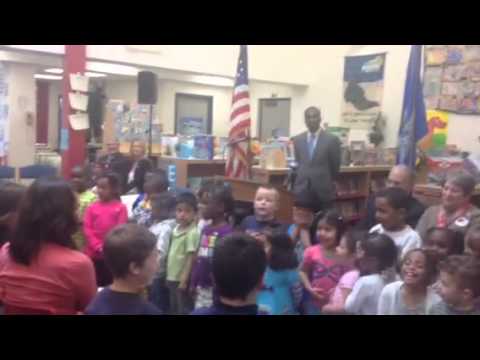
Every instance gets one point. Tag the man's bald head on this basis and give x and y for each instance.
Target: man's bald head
(401, 176)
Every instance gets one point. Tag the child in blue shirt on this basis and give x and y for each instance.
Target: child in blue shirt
(282, 289)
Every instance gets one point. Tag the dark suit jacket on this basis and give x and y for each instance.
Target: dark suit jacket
(319, 173)
(144, 165)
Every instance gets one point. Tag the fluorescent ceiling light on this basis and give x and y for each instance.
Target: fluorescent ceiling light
(54, 71)
(110, 68)
(94, 75)
(47, 77)
(213, 80)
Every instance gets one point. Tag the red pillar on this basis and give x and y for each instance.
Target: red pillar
(74, 62)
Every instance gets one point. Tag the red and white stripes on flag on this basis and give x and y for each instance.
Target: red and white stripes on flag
(238, 162)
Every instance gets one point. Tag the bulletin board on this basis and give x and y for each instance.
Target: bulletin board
(452, 78)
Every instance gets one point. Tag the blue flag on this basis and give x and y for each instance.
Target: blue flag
(413, 126)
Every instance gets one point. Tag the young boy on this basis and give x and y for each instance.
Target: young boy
(131, 255)
(238, 263)
(163, 218)
(183, 246)
(85, 198)
(472, 240)
(459, 286)
(218, 205)
(265, 205)
(299, 231)
(391, 205)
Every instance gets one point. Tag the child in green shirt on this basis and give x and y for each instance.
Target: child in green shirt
(183, 246)
(85, 197)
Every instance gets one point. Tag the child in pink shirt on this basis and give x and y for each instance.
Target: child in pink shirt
(322, 268)
(345, 251)
(101, 217)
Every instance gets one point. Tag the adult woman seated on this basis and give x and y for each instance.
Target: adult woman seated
(140, 166)
(456, 211)
(40, 273)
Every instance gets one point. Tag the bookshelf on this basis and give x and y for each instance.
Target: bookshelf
(353, 186)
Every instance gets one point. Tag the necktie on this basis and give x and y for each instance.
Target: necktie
(311, 145)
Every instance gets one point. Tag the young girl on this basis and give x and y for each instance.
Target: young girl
(154, 184)
(322, 269)
(346, 251)
(218, 206)
(101, 217)
(376, 254)
(443, 242)
(282, 288)
(412, 295)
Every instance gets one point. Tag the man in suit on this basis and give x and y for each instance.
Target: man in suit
(318, 155)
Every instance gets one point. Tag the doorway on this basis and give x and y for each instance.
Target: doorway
(274, 118)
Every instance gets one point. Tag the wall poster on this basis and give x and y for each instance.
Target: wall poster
(362, 90)
(452, 78)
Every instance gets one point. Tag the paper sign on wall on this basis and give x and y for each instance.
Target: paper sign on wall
(79, 82)
(79, 121)
(78, 101)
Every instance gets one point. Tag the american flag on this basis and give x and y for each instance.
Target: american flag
(239, 135)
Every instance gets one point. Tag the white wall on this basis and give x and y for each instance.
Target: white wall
(21, 99)
(222, 99)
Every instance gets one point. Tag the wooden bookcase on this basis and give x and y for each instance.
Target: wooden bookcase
(354, 185)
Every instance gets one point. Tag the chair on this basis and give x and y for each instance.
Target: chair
(7, 172)
(36, 171)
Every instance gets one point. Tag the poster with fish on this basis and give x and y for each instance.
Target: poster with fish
(362, 90)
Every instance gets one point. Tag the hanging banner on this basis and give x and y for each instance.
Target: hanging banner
(362, 90)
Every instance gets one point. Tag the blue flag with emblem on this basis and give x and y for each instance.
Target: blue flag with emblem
(413, 125)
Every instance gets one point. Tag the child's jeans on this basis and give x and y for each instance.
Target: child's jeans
(158, 294)
(180, 300)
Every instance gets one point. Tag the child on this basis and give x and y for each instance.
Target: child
(459, 286)
(183, 246)
(443, 242)
(413, 295)
(375, 255)
(345, 251)
(238, 265)
(391, 205)
(101, 217)
(473, 241)
(322, 269)
(263, 222)
(163, 218)
(282, 289)
(131, 255)
(85, 198)
(10, 196)
(299, 231)
(219, 204)
(155, 184)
